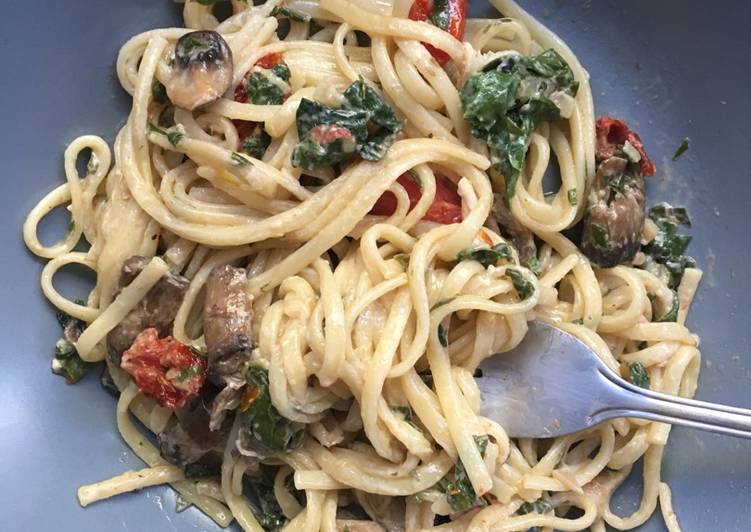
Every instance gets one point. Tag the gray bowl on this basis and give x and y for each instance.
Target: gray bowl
(672, 69)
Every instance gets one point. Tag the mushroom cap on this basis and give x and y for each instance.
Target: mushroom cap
(202, 71)
(615, 218)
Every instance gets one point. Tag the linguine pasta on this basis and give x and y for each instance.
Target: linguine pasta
(369, 328)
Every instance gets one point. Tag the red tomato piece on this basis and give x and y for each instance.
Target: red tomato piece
(611, 133)
(422, 9)
(241, 95)
(325, 134)
(270, 60)
(445, 209)
(267, 61)
(166, 370)
(245, 129)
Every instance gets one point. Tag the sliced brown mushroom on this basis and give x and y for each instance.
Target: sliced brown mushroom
(522, 238)
(190, 439)
(202, 70)
(226, 328)
(615, 215)
(157, 309)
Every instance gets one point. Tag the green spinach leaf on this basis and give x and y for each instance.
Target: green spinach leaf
(292, 14)
(487, 256)
(262, 91)
(382, 123)
(639, 375)
(683, 148)
(364, 124)
(540, 506)
(68, 363)
(173, 136)
(255, 145)
(459, 492)
(262, 421)
(668, 247)
(522, 286)
(508, 99)
(672, 314)
(260, 487)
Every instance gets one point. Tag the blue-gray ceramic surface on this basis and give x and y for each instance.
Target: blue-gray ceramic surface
(673, 69)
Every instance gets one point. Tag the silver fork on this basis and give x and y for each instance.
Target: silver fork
(552, 384)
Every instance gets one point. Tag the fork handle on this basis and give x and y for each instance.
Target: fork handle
(628, 400)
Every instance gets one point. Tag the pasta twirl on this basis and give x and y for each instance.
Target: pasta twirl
(375, 251)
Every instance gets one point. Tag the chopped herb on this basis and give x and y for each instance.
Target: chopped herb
(666, 251)
(459, 492)
(522, 286)
(174, 137)
(443, 335)
(487, 256)
(406, 414)
(159, 92)
(665, 211)
(64, 349)
(260, 488)
(440, 15)
(238, 159)
(167, 116)
(364, 118)
(311, 154)
(190, 371)
(262, 422)
(672, 314)
(255, 145)
(639, 375)
(534, 265)
(262, 91)
(63, 318)
(573, 197)
(651, 296)
(481, 442)
(292, 14)
(281, 70)
(198, 470)
(68, 363)
(108, 383)
(540, 506)
(508, 99)
(403, 259)
(683, 148)
(578, 321)
(600, 235)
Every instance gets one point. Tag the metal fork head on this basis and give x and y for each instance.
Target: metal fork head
(551, 385)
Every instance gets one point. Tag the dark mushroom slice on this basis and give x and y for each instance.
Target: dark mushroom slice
(615, 213)
(520, 236)
(226, 329)
(202, 70)
(157, 309)
(191, 439)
